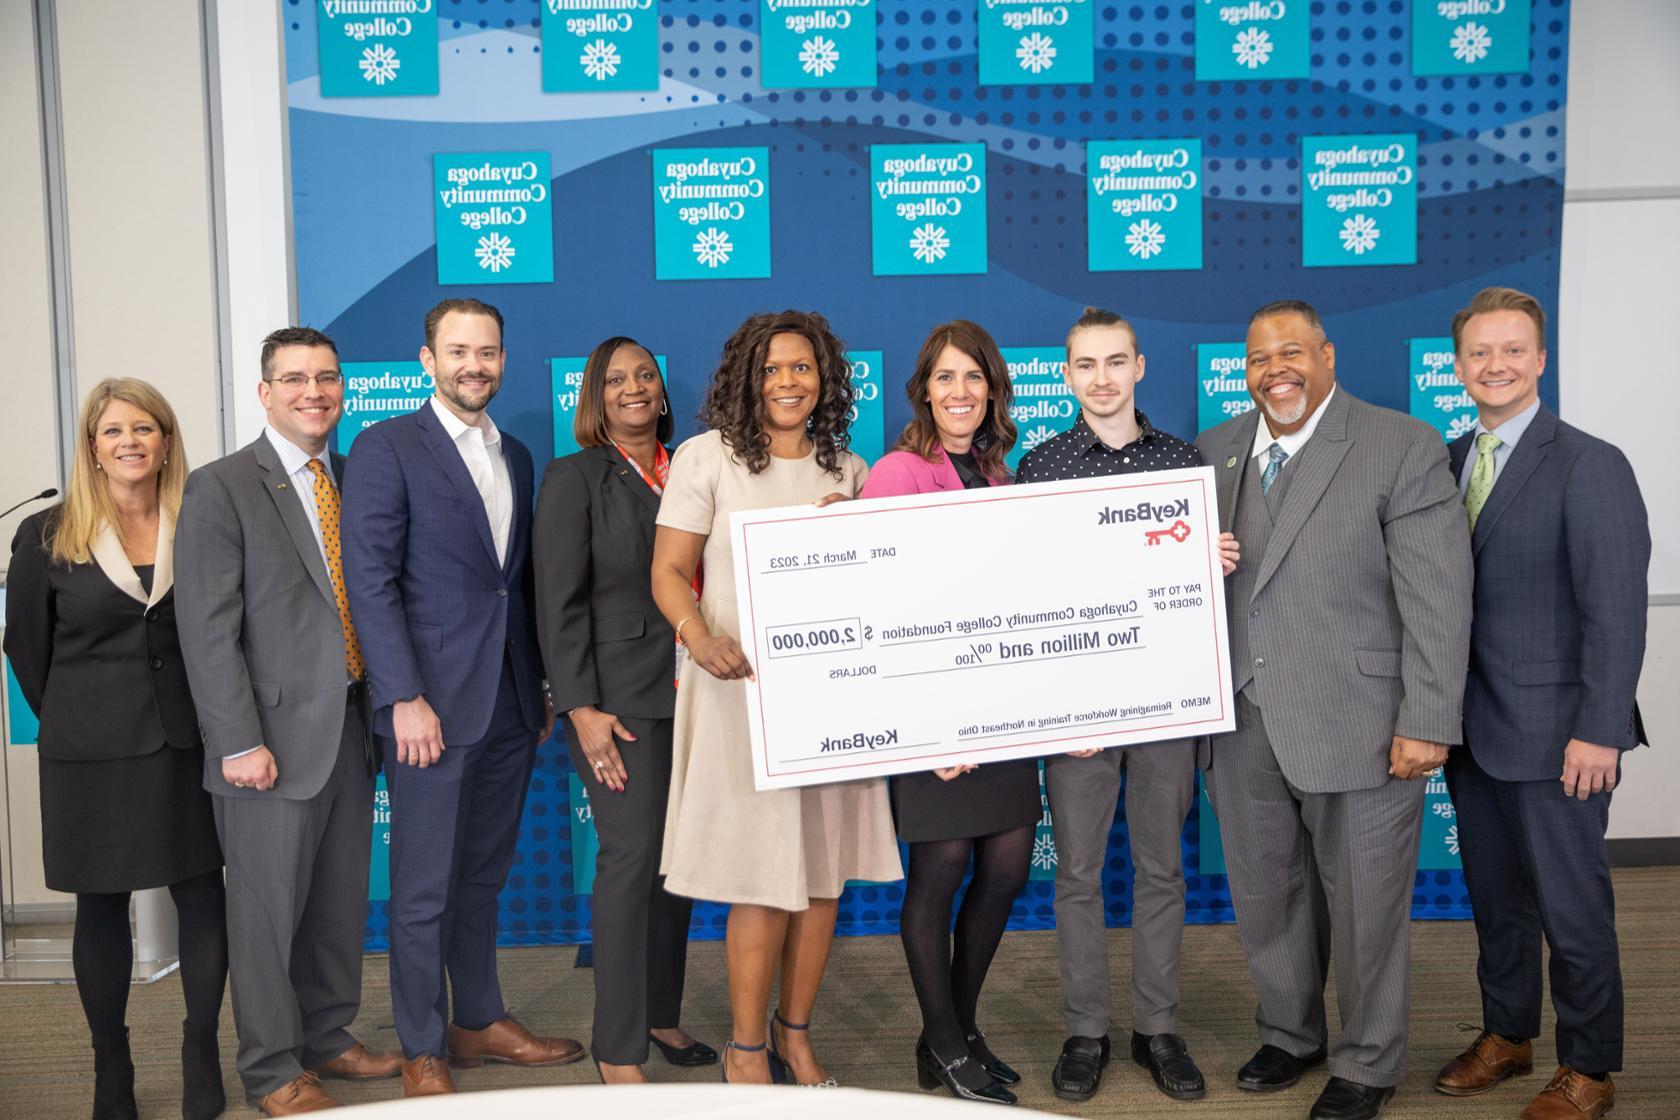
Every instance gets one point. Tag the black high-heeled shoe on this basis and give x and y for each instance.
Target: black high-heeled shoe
(723, 1066)
(776, 1058)
(989, 1061)
(932, 1071)
(694, 1054)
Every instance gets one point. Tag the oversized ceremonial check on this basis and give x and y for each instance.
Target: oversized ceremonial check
(903, 634)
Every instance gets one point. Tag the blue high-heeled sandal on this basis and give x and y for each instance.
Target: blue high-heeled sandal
(776, 1058)
(723, 1063)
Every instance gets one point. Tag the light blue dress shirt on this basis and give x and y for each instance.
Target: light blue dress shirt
(1509, 434)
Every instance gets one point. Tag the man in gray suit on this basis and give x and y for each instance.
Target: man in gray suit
(277, 677)
(1350, 634)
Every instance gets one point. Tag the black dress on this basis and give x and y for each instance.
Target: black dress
(123, 807)
(997, 797)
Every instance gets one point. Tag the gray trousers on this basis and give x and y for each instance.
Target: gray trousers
(1307, 869)
(1160, 783)
(297, 879)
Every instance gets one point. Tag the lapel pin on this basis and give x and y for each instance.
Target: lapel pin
(280, 486)
(1231, 462)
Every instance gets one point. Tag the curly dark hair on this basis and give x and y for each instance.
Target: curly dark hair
(734, 404)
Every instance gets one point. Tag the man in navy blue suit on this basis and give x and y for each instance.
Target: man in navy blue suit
(1561, 546)
(437, 546)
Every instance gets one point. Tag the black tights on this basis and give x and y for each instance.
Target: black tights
(103, 953)
(947, 979)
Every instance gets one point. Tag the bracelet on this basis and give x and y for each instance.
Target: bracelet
(683, 623)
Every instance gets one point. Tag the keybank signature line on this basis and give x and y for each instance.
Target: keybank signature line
(978, 634)
(812, 567)
(1011, 661)
(871, 750)
(1070, 723)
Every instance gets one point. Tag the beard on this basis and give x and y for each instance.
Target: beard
(1286, 416)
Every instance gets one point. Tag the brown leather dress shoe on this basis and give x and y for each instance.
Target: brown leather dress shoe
(1572, 1095)
(301, 1094)
(507, 1041)
(1491, 1059)
(425, 1076)
(361, 1064)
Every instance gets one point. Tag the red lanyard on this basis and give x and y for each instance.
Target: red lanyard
(661, 467)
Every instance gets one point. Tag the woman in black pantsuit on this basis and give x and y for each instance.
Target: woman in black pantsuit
(90, 632)
(611, 661)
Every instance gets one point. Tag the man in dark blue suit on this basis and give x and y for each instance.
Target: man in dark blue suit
(437, 520)
(1561, 546)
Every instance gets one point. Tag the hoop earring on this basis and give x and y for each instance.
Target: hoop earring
(664, 406)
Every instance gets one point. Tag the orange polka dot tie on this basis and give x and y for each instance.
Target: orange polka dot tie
(326, 508)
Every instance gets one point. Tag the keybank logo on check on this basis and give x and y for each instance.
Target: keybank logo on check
(861, 740)
(1143, 511)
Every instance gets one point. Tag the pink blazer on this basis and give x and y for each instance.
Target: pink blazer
(905, 472)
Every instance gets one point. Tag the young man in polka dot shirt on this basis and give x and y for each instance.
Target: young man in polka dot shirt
(1112, 437)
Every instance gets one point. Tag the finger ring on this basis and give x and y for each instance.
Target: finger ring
(600, 765)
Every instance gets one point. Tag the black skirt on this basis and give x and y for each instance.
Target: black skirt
(995, 798)
(126, 824)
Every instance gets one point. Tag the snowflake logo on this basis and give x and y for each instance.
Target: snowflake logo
(379, 64)
(1359, 234)
(713, 247)
(1461, 425)
(1452, 840)
(1144, 238)
(1253, 48)
(600, 60)
(819, 56)
(495, 251)
(1471, 42)
(1035, 436)
(1037, 52)
(929, 243)
(1044, 852)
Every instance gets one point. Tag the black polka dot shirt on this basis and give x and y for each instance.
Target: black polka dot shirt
(1078, 453)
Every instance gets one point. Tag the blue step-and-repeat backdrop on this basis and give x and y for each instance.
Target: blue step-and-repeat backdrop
(662, 168)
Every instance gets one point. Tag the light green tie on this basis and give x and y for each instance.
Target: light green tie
(1481, 477)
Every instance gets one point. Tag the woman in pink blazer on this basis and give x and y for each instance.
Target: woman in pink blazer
(957, 438)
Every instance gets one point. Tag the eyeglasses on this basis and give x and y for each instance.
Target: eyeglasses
(296, 381)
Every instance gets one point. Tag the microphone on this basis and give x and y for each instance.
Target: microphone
(49, 492)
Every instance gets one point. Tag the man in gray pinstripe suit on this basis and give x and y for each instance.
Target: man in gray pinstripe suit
(1350, 636)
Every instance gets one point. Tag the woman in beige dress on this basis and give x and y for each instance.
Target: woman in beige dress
(778, 407)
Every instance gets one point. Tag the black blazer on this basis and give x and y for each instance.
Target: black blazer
(603, 640)
(102, 669)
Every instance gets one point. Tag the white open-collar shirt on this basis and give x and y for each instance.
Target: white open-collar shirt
(480, 446)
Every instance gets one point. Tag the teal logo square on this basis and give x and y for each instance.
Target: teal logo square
(1438, 397)
(1036, 42)
(1252, 40)
(379, 856)
(25, 728)
(565, 378)
(1042, 868)
(377, 55)
(586, 843)
(928, 208)
(1043, 406)
(711, 213)
(1143, 205)
(495, 221)
(869, 414)
(375, 391)
(817, 44)
(1358, 200)
(1438, 846)
(1221, 383)
(599, 47)
(1470, 36)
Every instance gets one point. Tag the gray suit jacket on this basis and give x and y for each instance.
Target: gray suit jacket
(259, 626)
(1363, 595)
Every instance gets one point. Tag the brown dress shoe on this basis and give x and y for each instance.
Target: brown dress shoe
(425, 1076)
(301, 1094)
(1491, 1059)
(507, 1041)
(361, 1064)
(1572, 1095)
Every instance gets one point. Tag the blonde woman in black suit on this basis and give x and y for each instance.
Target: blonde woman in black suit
(611, 662)
(90, 631)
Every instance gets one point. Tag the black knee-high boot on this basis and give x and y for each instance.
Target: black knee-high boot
(113, 1078)
(202, 1097)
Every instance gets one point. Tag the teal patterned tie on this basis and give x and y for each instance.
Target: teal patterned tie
(1275, 455)
(1481, 477)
